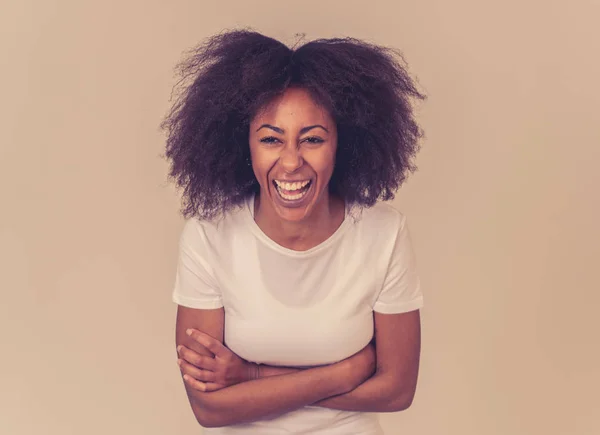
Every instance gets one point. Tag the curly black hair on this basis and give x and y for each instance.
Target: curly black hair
(230, 76)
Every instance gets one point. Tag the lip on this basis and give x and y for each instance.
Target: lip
(294, 203)
(291, 181)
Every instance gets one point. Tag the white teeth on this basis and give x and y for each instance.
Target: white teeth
(292, 186)
(291, 197)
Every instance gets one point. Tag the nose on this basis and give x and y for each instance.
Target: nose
(291, 159)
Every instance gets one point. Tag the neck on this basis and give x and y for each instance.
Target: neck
(323, 221)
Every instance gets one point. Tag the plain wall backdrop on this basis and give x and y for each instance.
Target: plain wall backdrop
(504, 209)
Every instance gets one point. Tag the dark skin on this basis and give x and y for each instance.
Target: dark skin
(295, 140)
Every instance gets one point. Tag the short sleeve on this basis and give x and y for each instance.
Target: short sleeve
(195, 285)
(401, 290)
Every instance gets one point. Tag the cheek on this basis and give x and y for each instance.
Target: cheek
(261, 165)
(260, 172)
(324, 165)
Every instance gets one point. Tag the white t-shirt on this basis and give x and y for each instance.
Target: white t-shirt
(291, 308)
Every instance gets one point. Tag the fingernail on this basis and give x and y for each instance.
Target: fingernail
(188, 332)
(179, 348)
(178, 362)
(186, 377)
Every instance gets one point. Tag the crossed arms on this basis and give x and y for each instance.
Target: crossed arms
(379, 378)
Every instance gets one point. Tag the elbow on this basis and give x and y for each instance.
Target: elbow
(204, 419)
(401, 401)
(205, 416)
(206, 422)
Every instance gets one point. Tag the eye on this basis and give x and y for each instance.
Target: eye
(269, 140)
(314, 140)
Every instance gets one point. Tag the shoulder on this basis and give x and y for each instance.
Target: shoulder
(377, 227)
(199, 232)
(381, 217)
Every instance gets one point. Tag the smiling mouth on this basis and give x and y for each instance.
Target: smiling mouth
(292, 191)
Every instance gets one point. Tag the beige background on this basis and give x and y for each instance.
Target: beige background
(504, 210)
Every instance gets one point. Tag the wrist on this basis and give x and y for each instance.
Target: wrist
(256, 370)
(252, 372)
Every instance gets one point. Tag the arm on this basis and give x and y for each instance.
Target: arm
(264, 371)
(261, 398)
(392, 387)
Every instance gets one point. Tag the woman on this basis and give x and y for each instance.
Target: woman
(298, 298)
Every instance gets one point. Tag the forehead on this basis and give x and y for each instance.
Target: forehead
(295, 105)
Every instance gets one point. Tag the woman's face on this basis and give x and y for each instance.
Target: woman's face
(293, 142)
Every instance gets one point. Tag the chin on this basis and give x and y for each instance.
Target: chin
(294, 215)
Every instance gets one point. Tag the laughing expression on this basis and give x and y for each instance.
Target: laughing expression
(292, 145)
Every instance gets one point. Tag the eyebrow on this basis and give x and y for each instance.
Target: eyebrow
(302, 130)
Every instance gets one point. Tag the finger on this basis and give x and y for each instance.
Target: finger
(213, 345)
(193, 357)
(194, 383)
(212, 386)
(195, 372)
(198, 348)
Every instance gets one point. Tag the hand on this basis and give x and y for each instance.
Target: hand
(205, 373)
(362, 365)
